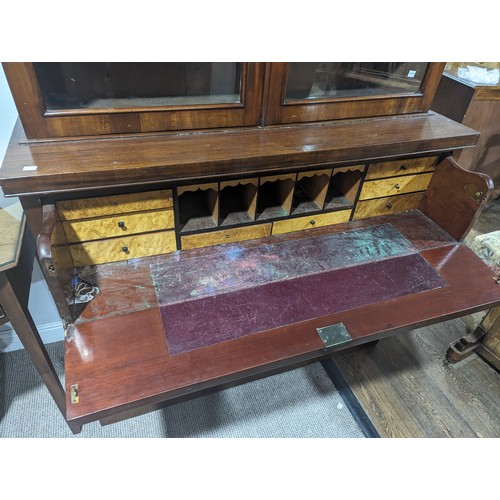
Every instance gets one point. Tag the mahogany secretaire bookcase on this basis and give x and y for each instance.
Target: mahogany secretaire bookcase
(205, 224)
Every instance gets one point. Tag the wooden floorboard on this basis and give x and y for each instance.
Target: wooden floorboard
(379, 399)
(469, 400)
(408, 390)
(478, 375)
(485, 379)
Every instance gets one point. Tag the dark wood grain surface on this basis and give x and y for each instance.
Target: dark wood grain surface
(341, 108)
(89, 164)
(15, 281)
(455, 198)
(409, 392)
(42, 125)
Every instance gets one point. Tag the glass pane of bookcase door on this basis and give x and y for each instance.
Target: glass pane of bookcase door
(326, 80)
(107, 85)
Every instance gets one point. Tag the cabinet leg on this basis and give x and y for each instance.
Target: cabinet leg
(75, 428)
(489, 347)
(464, 346)
(25, 328)
(373, 343)
(488, 329)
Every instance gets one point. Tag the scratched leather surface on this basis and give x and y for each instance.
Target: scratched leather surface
(240, 292)
(232, 268)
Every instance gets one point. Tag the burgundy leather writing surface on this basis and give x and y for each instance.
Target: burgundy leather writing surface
(212, 319)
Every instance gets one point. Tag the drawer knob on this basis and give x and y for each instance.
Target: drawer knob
(312, 222)
(121, 224)
(125, 249)
(389, 205)
(397, 186)
(226, 236)
(403, 167)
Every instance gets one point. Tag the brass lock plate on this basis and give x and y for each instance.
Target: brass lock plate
(334, 335)
(474, 192)
(74, 394)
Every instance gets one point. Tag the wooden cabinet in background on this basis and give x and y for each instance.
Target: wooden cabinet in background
(477, 106)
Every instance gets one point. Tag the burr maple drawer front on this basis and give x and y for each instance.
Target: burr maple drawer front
(395, 185)
(58, 236)
(118, 225)
(388, 205)
(316, 220)
(86, 208)
(399, 167)
(227, 236)
(124, 248)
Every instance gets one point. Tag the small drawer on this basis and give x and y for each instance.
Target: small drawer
(120, 225)
(388, 205)
(395, 185)
(128, 247)
(111, 205)
(318, 220)
(228, 236)
(399, 167)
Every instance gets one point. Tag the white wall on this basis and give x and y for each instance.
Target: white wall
(41, 304)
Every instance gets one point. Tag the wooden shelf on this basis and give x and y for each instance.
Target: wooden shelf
(343, 187)
(238, 201)
(275, 195)
(198, 207)
(177, 158)
(310, 191)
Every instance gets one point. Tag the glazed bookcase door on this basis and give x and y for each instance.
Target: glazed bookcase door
(305, 92)
(92, 99)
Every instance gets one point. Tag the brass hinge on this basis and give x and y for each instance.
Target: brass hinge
(74, 394)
